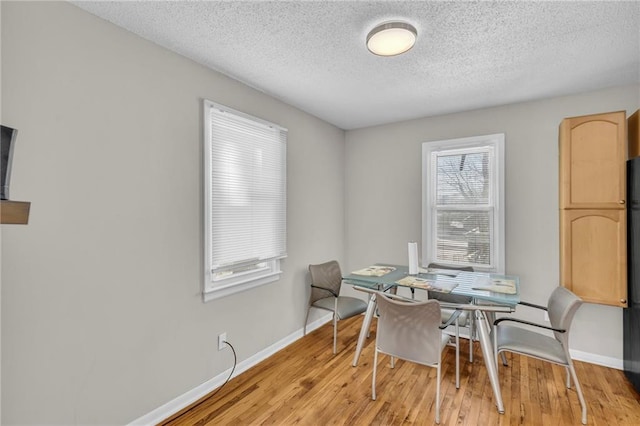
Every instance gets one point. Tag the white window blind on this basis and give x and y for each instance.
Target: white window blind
(463, 207)
(245, 180)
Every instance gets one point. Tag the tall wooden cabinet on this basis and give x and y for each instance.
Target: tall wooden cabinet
(593, 242)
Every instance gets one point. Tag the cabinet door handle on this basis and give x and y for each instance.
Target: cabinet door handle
(621, 201)
(623, 301)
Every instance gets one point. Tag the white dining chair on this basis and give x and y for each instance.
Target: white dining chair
(412, 331)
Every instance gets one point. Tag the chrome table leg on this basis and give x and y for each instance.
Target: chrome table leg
(489, 360)
(366, 324)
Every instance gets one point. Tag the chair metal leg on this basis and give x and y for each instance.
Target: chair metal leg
(568, 378)
(457, 354)
(472, 331)
(504, 359)
(335, 333)
(579, 392)
(438, 393)
(369, 328)
(375, 368)
(306, 320)
(335, 326)
(491, 318)
(495, 350)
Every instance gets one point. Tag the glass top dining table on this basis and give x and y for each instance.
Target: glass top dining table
(482, 286)
(489, 293)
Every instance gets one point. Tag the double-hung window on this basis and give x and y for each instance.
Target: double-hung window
(244, 202)
(463, 202)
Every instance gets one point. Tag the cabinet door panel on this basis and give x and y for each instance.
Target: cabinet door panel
(593, 255)
(592, 158)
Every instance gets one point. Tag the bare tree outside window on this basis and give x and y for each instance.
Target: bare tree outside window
(463, 234)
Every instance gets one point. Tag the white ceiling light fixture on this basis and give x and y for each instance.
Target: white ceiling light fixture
(391, 38)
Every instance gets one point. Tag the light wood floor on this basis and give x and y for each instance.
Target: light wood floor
(305, 384)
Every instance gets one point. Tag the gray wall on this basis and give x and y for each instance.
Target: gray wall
(383, 196)
(102, 318)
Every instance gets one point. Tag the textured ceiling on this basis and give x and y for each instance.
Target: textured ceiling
(468, 55)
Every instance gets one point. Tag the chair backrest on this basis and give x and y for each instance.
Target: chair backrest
(327, 275)
(409, 331)
(445, 297)
(561, 307)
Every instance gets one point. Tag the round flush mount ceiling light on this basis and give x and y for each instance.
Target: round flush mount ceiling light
(391, 38)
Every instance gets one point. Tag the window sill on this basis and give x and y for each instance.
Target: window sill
(224, 291)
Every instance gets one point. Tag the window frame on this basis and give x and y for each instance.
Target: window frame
(264, 270)
(496, 203)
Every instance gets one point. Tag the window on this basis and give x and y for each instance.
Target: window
(463, 202)
(245, 201)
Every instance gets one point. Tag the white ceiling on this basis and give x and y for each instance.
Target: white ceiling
(468, 55)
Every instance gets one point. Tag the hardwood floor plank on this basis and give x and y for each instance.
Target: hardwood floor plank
(305, 384)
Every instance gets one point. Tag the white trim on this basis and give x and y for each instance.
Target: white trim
(218, 292)
(250, 118)
(604, 361)
(216, 285)
(170, 408)
(497, 142)
(596, 359)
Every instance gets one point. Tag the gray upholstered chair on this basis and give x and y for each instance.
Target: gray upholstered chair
(466, 317)
(411, 331)
(561, 307)
(326, 281)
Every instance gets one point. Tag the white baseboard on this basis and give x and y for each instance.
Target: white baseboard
(596, 359)
(605, 361)
(170, 408)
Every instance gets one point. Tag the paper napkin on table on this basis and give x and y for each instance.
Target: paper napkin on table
(374, 271)
(498, 285)
(444, 287)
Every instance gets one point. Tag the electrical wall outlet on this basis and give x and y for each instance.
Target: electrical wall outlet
(222, 341)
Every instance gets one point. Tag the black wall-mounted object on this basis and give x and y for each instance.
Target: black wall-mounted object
(6, 144)
(631, 315)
